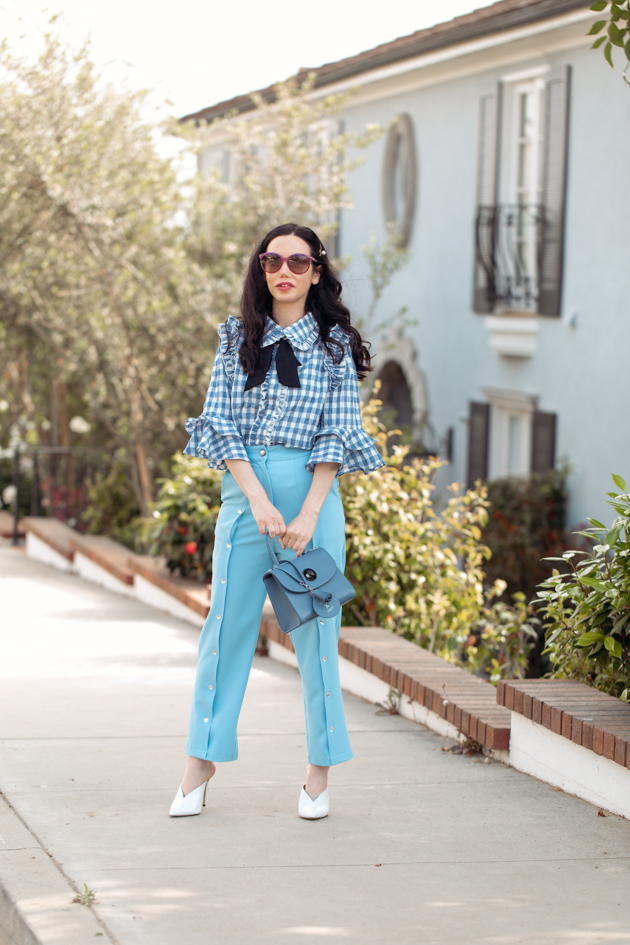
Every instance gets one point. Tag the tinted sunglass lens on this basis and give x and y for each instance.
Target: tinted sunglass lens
(299, 264)
(271, 262)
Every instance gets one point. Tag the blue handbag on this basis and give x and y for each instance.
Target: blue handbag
(306, 587)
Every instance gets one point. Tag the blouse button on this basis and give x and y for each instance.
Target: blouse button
(332, 728)
(228, 545)
(324, 658)
(205, 720)
(263, 452)
(214, 653)
(321, 621)
(222, 580)
(210, 686)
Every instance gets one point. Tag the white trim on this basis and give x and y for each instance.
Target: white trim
(513, 336)
(539, 752)
(156, 597)
(456, 51)
(524, 74)
(39, 550)
(91, 571)
(510, 399)
(280, 654)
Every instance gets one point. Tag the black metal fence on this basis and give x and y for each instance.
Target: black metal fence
(53, 481)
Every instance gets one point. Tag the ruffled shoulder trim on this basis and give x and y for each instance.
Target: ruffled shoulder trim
(335, 365)
(229, 337)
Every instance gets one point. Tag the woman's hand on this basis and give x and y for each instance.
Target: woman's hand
(300, 531)
(266, 515)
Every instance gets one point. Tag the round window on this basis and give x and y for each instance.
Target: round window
(400, 178)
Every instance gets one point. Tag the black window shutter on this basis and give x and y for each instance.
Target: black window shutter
(478, 433)
(487, 160)
(555, 136)
(543, 441)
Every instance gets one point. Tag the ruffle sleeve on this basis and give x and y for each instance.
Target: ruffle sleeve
(215, 435)
(353, 449)
(341, 437)
(215, 439)
(229, 335)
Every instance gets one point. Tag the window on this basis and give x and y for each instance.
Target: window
(509, 436)
(524, 147)
(399, 178)
(521, 180)
(523, 190)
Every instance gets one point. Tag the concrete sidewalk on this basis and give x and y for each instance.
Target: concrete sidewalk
(421, 846)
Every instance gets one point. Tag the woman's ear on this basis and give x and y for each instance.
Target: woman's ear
(317, 272)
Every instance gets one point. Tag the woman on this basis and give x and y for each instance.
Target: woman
(282, 416)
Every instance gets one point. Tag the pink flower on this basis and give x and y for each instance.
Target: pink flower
(191, 547)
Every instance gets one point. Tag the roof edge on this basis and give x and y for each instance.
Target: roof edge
(498, 17)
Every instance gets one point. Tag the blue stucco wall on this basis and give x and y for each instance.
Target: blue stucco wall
(580, 373)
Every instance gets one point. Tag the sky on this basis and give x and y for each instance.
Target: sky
(196, 53)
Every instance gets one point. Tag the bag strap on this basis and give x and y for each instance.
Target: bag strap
(275, 560)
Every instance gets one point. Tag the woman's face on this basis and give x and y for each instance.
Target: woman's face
(285, 286)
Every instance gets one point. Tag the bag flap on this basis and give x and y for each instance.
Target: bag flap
(289, 580)
(315, 567)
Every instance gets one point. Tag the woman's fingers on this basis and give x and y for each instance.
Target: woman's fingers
(294, 540)
(275, 525)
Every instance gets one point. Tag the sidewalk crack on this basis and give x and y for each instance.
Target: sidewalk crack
(73, 886)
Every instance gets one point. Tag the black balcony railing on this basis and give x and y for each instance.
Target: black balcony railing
(509, 239)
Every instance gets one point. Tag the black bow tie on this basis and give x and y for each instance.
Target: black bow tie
(286, 366)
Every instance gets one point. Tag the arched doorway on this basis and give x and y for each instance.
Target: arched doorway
(397, 410)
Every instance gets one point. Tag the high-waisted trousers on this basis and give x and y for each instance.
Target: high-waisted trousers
(229, 636)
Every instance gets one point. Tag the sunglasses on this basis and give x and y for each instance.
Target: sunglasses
(299, 263)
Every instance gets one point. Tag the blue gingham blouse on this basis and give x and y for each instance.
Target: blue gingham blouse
(323, 415)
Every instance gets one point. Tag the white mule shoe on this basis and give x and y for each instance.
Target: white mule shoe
(187, 805)
(311, 809)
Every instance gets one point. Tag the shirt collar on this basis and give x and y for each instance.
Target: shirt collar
(302, 334)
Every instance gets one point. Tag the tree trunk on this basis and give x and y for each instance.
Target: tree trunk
(144, 483)
(145, 497)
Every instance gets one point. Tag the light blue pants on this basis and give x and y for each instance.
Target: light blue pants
(228, 639)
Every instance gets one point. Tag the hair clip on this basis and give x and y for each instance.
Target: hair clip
(322, 252)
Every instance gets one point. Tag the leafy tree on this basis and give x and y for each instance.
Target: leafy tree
(95, 283)
(285, 161)
(616, 26)
(113, 273)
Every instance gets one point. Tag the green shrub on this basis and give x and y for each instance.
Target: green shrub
(184, 518)
(526, 525)
(501, 645)
(420, 573)
(587, 611)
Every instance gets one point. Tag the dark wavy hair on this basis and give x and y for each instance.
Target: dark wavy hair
(323, 300)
